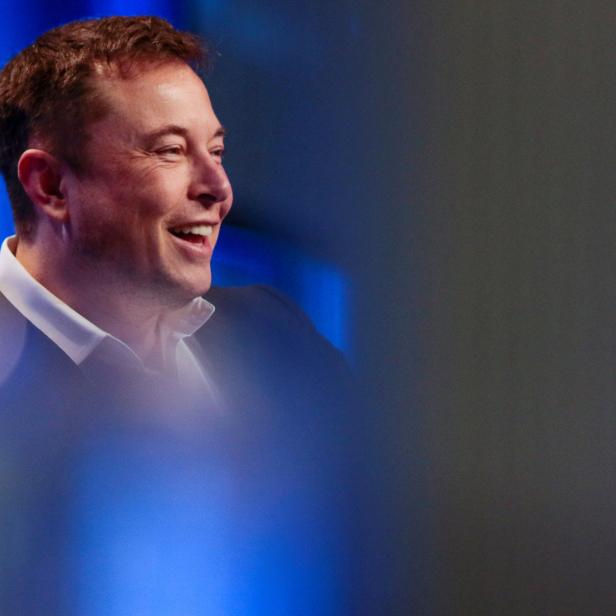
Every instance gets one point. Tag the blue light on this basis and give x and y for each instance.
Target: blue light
(246, 257)
(162, 8)
(157, 527)
(6, 217)
(151, 531)
(16, 31)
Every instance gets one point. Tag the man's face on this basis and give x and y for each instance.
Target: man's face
(145, 213)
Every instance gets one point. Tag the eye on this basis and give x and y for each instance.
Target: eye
(218, 154)
(171, 151)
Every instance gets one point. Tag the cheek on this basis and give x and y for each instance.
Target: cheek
(226, 206)
(148, 192)
(141, 210)
(163, 194)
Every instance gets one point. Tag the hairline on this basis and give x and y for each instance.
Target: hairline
(122, 68)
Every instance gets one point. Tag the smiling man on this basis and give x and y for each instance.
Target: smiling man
(113, 159)
(112, 155)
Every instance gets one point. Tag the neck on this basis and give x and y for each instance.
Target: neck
(117, 308)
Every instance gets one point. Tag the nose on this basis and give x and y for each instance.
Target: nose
(209, 183)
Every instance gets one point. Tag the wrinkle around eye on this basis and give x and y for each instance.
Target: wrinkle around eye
(172, 150)
(158, 153)
(139, 154)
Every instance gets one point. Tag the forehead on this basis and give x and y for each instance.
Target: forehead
(152, 95)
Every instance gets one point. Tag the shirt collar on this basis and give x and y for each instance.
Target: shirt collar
(73, 333)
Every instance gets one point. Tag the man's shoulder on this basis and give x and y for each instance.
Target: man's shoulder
(14, 331)
(260, 302)
(261, 315)
(21, 340)
(259, 337)
(35, 374)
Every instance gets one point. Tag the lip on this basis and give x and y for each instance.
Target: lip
(193, 223)
(193, 249)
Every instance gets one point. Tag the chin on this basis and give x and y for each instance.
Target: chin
(176, 292)
(197, 288)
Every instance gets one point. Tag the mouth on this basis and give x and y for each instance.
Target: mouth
(194, 234)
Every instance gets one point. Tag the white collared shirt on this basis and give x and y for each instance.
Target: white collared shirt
(95, 351)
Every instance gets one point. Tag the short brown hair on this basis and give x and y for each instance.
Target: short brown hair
(47, 91)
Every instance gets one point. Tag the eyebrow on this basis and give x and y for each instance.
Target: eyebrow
(174, 129)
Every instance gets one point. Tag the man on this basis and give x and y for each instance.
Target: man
(113, 159)
(112, 156)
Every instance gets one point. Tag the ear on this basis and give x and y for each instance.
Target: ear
(40, 175)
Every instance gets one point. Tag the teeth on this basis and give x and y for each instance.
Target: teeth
(203, 230)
